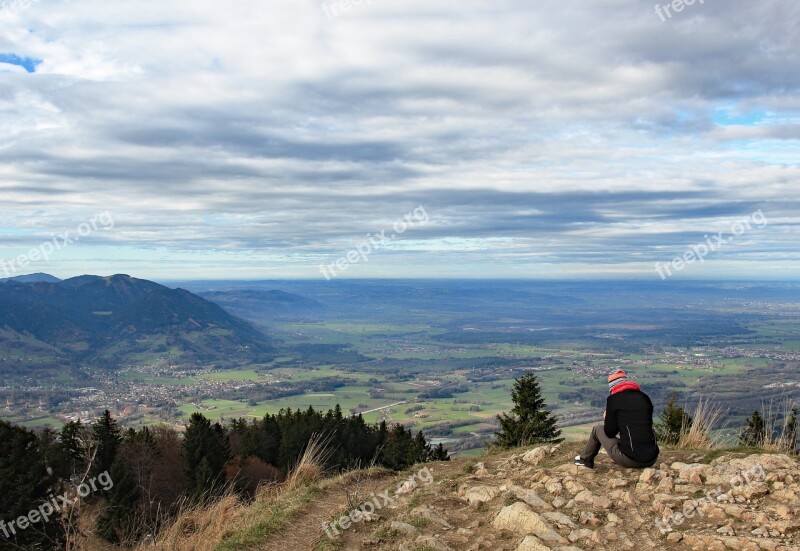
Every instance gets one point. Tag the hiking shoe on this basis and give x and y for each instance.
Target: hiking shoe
(581, 463)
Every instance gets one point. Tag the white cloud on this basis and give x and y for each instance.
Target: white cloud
(541, 125)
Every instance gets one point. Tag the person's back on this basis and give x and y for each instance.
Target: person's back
(627, 432)
(630, 414)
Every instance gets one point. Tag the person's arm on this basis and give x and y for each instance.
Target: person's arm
(610, 422)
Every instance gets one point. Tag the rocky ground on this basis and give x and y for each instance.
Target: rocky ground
(537, 500)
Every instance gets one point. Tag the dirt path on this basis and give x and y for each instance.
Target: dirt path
(305, 531)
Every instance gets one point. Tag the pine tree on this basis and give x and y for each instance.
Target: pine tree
(108, 437)
(421, 450)
(672, 421)
(753, 434)
(117, 524)
(439, 454)
(530, 421)
(398, 451)
(24, 484)
(73, 448)
(207, 450)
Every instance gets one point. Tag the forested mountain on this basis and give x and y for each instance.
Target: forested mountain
(109, 320)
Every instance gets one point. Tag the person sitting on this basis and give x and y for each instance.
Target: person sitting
(627, 433)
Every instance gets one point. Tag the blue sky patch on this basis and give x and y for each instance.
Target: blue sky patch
(27, 63)
(729, 117)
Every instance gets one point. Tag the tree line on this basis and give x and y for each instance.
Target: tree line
(156, 471)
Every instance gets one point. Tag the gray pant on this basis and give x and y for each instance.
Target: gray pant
(611, 445)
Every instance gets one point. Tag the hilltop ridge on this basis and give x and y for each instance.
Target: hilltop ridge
(524, 500)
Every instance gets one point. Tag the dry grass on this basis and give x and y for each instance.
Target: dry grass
(311, 466)
(783, 439)
(227, 523)
(198, 527)
(700, 433)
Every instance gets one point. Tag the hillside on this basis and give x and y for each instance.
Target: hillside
(524, 500)
(31, 278)
(111, 320)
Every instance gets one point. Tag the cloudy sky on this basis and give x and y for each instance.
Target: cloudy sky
(550, 139)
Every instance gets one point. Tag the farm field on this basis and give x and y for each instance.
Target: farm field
(442, 357)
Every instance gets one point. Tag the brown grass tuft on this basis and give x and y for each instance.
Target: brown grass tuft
(311, 466)
(700, 434)
(204, 527)
(199, 527)
(782, 440)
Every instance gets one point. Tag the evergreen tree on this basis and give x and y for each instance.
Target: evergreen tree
(439, 454)
(107, 437)
(753, 434)
(421, 450)
(671, 422)
(530, 421)
(117, 524)
(397, 450)
(25, 483)
(271, 440)
(206, 449)
(73, 441)
(380, 441)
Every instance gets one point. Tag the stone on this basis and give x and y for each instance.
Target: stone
(579, 534)
(531, 498)
(560, 519)
(481, 494)
(726, 530)
(674, 537)
(588, 498)
(587, 517)
(622, 496)
(750, 491)
(531, 543)
(404, 528)
(521, 519)
(431, 542)
(432, 515)
(647, 476)
(697, 474)
(615, 483)
(572, 487)
(535, 456)
(714, 513)
(554, 487)
(666, 486)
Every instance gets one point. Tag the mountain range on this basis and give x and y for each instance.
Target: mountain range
(110, 321)
(267, 305)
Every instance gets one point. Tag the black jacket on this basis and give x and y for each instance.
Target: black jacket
(629, 414)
